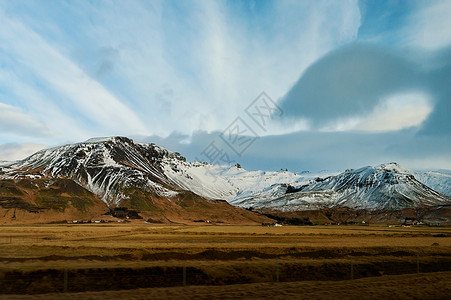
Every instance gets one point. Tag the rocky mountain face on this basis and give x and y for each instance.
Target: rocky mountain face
(123, 173)
(385, 187)
(107, 167)
(162, 185)
(386, 193)
(438, 180)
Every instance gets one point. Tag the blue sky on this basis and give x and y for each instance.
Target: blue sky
(359, 82)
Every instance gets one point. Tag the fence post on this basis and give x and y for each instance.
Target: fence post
(418, 263)
(65, 281)
(184, 277)
(352, 270)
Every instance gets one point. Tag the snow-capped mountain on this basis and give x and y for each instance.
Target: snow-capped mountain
(4, 165)
(116, 170)
(233, 183)
(123, 173)
(106, 167)
(439, 180)
(385, 187)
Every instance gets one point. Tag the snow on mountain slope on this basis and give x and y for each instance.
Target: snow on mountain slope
(388, 186)
(439, 181)
(105, 166)
(108, 166)
(113, 168)
(5, 164)
(233, 184)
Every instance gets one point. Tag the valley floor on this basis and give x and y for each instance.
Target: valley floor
(125, 260)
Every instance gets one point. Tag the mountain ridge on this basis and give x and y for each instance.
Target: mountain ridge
(125, 174)
(150, 178)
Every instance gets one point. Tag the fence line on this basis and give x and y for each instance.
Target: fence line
(79, 280)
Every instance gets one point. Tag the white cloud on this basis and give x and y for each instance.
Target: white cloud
(239, 61)
(15, 151)
(43, 110)
(87, 96)
(430, 26)
(13, 121)
(396, 112)
(213, 60)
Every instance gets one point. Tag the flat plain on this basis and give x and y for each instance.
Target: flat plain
(94, 259)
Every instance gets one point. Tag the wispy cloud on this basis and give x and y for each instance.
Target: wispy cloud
(394, 113)
(15, 122)
(114, 62)
(15, 151)
(429, 27)
(367, 71)
(40, 107)
(397, 112)
(86, 95)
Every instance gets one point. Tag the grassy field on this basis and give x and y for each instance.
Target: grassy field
(418, 286)
(97, 257)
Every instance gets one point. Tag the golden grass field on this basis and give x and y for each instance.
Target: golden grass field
(223, 261)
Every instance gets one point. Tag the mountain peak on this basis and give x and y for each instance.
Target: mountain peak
(108, 139)
(123, 172)
(393, 167)
(105, 166)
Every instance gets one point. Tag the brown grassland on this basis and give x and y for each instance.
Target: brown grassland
(138, 260)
